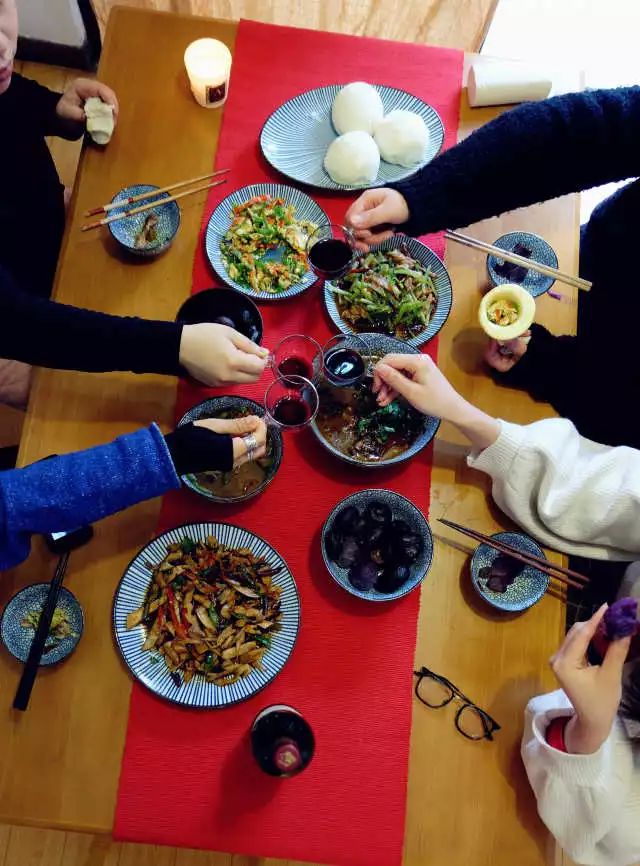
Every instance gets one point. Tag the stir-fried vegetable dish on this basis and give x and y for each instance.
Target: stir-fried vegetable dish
(351, 420)
(503, 312)
(388, 292)
(264, 248)
(210, 610)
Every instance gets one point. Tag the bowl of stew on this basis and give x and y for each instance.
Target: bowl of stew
(248, 480)
(351, 425)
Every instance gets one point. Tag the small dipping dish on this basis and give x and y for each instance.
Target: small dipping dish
(149, 233)
(18, 638)
(501, 272)
(512, 299)
(224, 307)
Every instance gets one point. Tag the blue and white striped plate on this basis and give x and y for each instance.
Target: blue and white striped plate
(149, 667)
(296, 136)
(429, 259)
(305, 209)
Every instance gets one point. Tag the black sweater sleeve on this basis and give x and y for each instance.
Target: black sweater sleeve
(532, 153)
(38, 103)
(47, 334)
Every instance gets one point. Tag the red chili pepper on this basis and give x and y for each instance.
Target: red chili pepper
(161, 616)
(173, 613)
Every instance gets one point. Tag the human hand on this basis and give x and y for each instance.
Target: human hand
(71, 104)
(218, 355)
(594, 690)
(502, 356)
(372, 214)
(420, 382)
(238, 428)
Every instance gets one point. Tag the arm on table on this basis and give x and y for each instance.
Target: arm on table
(572, 494)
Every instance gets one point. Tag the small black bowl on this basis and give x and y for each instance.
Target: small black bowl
(212, 304)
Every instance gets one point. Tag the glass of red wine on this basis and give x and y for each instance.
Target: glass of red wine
(296, 355)
(331, 251)
(291, 402)
(345, 360)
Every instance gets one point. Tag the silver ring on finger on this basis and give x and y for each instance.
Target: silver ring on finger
(251, 444)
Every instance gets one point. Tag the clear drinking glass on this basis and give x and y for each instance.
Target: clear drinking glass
(291, 402)
(296, 355)
(331, 251)
(345, 360)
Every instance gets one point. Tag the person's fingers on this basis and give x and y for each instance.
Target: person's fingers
(396, 380)
(249, 364)
(386, 395)
(243, 458)
(229, 426)
(574, 648)
(107, 95)
(616, 656)
(372, 216)
(75, 112)
(362, 247)
(244, 344)
(409, 363)
(494, 358)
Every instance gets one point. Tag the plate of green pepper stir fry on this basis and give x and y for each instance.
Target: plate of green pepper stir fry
(256, 240)
(400, 288)
(206, 614)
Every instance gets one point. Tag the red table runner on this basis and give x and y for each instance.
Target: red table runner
(188, 778)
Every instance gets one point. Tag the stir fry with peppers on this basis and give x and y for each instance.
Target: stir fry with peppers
(260, 226)
(210, 610)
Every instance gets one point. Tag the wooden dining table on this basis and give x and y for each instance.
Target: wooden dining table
(468, 802)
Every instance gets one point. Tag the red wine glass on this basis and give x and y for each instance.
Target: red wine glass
(291, 403)
(345, 360)
(296, 355)
(331, 251)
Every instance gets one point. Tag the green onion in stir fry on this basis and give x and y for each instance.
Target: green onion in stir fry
(388, 292)
(259, 226)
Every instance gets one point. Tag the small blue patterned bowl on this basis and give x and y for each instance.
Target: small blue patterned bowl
(535, 283)
(401, 509)
(527, 589)
(125, 231)
(18, 639)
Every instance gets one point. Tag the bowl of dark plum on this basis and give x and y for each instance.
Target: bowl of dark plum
(377, 545)
(223, 306)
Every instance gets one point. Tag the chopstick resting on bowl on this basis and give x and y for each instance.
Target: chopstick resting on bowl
(30, 670)
(529, 264)
(148, 206)
(559, 572)
(105, 208)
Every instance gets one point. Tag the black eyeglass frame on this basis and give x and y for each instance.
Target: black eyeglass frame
(489, 725)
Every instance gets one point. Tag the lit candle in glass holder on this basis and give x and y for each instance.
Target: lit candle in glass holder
(208, 64)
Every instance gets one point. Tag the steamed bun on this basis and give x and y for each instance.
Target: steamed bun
(353, 159)
(356, 107)
(402, 137)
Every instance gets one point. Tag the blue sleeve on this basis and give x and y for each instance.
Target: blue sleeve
(69, 491)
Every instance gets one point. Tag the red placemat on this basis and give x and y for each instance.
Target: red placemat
(188, 778)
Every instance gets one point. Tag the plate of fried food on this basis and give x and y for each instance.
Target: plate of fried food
(400, 288)
(256, 240)
(206, 615)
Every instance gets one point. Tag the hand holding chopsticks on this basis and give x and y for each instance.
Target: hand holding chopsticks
(155, 203)
(565, 575)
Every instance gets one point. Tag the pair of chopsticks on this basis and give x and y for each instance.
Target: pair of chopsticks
(23, 692)
(105, 208)
(529, 264)
(565, 575)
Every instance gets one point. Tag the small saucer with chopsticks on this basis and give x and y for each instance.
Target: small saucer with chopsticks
(510, 571)
(143, 218)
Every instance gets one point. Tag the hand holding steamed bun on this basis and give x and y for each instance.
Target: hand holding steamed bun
(356, 107)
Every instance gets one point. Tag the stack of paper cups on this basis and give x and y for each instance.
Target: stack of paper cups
(503, 82)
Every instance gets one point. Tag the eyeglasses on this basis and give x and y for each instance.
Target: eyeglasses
(435, 691)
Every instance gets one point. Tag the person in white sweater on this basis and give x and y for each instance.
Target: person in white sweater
(581, 744)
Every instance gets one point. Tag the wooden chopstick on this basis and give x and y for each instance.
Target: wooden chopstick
(148, 206)
(565, 575)
(23, 692)
(530, 264)
(105, 208)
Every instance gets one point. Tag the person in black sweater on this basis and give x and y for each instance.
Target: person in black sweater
(535, 152)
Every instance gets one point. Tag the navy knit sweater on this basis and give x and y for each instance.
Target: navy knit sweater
(532, 153)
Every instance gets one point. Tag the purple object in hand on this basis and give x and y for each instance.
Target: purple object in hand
(621, 619)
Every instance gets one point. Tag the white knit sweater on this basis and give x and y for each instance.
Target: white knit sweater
(568, 492)
(591, 803)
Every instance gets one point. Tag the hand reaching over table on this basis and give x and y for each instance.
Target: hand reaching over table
(373, 215)
(502, 356)
(420, 382)
(217, 355)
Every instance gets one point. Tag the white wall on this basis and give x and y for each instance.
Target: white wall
(57, 21)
